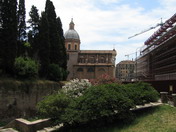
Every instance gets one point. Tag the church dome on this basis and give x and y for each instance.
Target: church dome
(71, 33)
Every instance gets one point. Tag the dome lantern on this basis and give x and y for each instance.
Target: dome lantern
(72, 24)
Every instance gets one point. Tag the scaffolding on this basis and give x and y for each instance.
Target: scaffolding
(158, 59)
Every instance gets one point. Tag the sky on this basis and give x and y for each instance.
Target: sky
(107, 24)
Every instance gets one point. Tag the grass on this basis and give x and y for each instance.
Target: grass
(159, 119)
(156, 119)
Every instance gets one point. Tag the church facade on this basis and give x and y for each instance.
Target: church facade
(87, 64)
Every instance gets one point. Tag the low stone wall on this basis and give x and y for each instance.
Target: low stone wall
(19, 99)
(26, 126)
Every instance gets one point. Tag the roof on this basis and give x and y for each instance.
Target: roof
(98, 51)
(71, 33)
(127, 62)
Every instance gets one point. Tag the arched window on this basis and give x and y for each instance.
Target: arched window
(69, 46)
(101, 70)
(90, 70)
(75, 47)
(80, 70)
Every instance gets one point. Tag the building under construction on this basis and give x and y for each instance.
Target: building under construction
(157, 61)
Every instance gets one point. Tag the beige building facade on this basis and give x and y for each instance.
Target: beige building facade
(125, 70)
(87, 64)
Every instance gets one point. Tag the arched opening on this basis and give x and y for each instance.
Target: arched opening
(69, 46)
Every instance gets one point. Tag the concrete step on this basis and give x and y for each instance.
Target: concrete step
(8, 130)
(50, 129)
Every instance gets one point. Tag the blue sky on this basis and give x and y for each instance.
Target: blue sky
(105, 24)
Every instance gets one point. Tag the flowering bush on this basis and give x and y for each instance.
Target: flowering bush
(76, 87)
(104, 79)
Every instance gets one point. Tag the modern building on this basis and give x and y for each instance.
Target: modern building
(125, 70)
(158, 59)
(87, 64)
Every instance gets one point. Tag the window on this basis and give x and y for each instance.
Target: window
(82, 59)
(101, 70)
(69, 46)
(92, 59)
(90, 70)
(102, 59)
(75, 47)
(80, 69)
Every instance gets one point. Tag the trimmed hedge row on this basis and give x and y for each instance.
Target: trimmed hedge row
(97, 102)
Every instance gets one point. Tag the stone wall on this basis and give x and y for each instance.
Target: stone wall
(19, 99)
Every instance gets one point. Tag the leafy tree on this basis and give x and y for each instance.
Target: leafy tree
(56, 73)
(26, 68)
(9, 34)
(44, 45)
(34, 31)
(21, 27)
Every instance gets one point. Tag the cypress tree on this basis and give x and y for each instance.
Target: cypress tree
(62, 43)
(44, 45)
(55, 47)
(21, 27)
(34, 20)
(34, 31)
(1, 41)
(9, 34)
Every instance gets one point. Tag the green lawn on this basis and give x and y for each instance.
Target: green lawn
(158, 119)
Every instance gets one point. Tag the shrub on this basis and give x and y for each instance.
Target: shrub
(96, 103)
(26, 67)
(53, 106)
(80, 103)
(56, 73)
(141, 93)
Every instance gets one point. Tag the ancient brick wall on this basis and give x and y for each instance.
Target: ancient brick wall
(19, 99)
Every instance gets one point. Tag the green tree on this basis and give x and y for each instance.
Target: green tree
(26, 68)
(21, 14)
(55, 46)
(63, 56)
(9, 34)
(1, 42)
(44, 45)
(33, 31)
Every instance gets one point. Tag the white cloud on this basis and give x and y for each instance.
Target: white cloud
(109, 27)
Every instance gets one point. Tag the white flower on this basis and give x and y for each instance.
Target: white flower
(76, 87)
